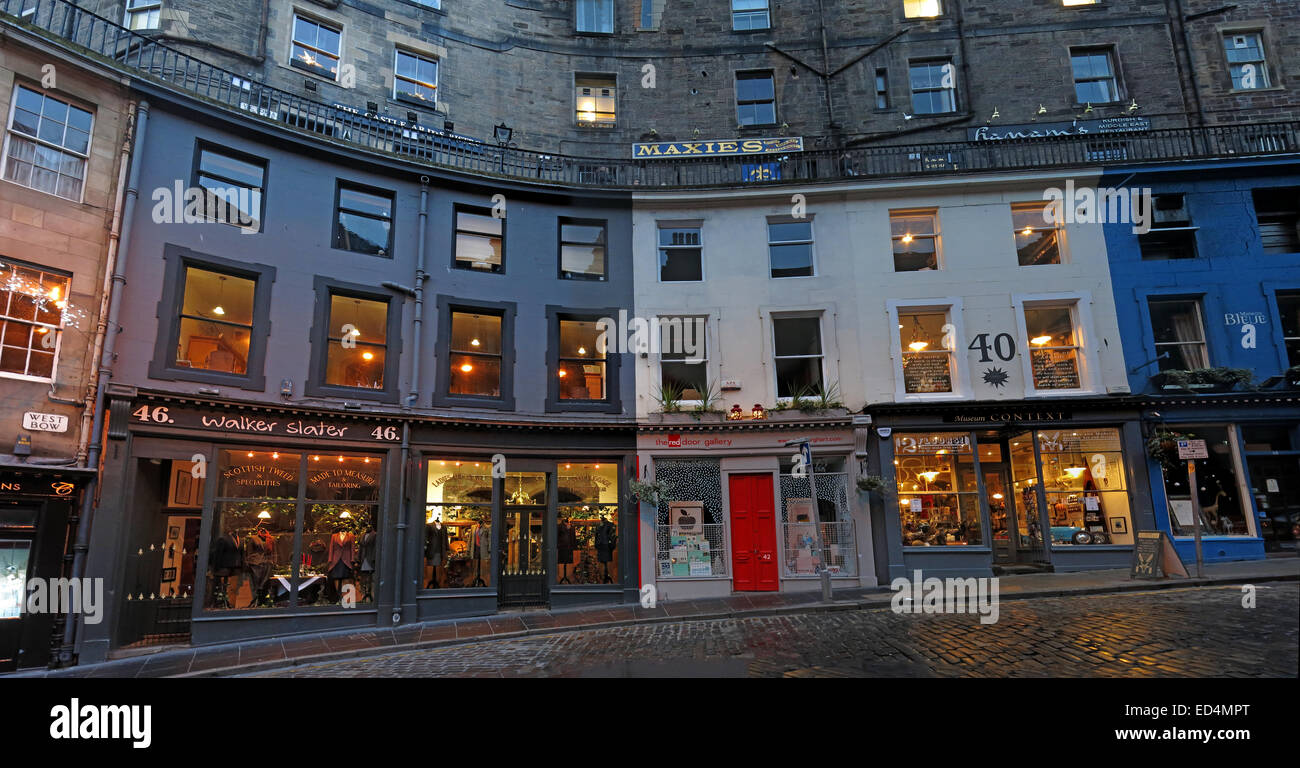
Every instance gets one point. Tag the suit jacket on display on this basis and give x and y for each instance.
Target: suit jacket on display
(343, 549)
(227, 552)
(435, 543)
(606, 541)
(483, 538)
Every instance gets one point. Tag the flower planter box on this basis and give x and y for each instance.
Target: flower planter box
(1162, 382)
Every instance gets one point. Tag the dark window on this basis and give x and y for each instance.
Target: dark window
(680, 255)
(1178, 330)
(365, 220)
(1172, 235)
(1037, 234)
(1278, 212)
(882, 88)
(480, 240)
(1094, 75)
(683, 357)
(755, 98)
(475, 357)
(415, 78)
(1288, 307)
(315, 47)
(797, 342)
(582, 249)
(934, 87)
(233, 184)
(789, 247)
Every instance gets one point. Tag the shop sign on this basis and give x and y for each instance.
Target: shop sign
(1007, 417)
(15, 483)
(718, 147)
(1049, 130)
(277, 425)
(45, 422)
(1154, 557)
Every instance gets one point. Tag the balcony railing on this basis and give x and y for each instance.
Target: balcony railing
(152, 61)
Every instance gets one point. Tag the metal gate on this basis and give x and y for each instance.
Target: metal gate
(522, 560)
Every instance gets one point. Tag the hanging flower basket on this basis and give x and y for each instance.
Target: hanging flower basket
(1203, 380)
(653, 492)
(870, 484)
(1163, 446)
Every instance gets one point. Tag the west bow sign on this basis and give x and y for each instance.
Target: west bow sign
(718, 148)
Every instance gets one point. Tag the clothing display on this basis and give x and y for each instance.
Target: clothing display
(483, 541)
(227, 554)
(436, 543)
(606, 541)
(258, 558)
(316, 552)
(566, 540)
(368, 543)
(342, 553)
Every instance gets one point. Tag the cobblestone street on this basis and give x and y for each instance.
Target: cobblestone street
(1200, 632)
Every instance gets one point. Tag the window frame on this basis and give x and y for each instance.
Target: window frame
(772, 319)
(811, 242)
(1279, 296)
(1145, 241)
(335, 26)
(936, 235)
(930, 61)
(1111, 52)
(203, 145)
(1057, 226)
(10, 133)
(507, 310)
(613, 18)
(398, 52)
(880, 84)
(661, 319)
(34, 323)
(146, 7)
(1264, 60)
(1198, 303)
(475, 210)
(1081, 326)
(660, 228)
(353, 186)
(942, 11)
(766, 11)
(561, 221)
(613, 77)
(325, 289)
(177, 260)
(612, 402)
(957, 364)
(735, 84)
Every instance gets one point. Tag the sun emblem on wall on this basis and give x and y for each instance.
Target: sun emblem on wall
(996, 376)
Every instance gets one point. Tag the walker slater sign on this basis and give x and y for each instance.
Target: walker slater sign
(1049, 130)
(718, 148)
(278, 425)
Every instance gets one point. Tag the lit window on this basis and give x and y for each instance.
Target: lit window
(1069, 3)
(358, 336)
(1094, 75)
(480, 240)
(1179, 334)
(915, 237)
(415, 78)
(922, 9)
(755, 98)
(595, 16)
(926, 349)
(364, 222)
(475, 357)
(582, 249)
(749, 14)
(143, 14)
(595, 99)
(1037, 241)
(790, 248)
(1053, 347)
(680, 255)
(1288, 307)
(216, 322)
(1247, 64)
(49, 142)
(581, 366)
(938, 493)
(33, 304)
(797, 342)
(315, 47)
(934, 87)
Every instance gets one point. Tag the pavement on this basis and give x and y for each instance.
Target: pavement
(636, 622)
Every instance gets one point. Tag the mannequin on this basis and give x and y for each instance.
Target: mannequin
(227, 561)
(483, 543)
(566, 542)
(368, 543)
(436, 545)
(342, 553)
(606, 543)
(258, 561)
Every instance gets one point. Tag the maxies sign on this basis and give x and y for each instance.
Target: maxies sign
(718, 148)
(278, 425)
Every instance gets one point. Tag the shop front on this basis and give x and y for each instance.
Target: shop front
(38, 512)
(739, 512)
(972, 490)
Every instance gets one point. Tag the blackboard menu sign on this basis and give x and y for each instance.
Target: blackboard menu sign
(1154, 557)
(926, 373)
(1055, 370)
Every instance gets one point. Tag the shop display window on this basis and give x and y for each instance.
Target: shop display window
(833, 514)
(1053, 347)
(1083, 479)
(1223, 511)
(693, 541)
(587, 531)
(458, 524)
(358, 335)
(937, 489)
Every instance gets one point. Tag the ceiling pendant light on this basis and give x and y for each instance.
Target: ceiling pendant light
(221, 294)
(917, 343)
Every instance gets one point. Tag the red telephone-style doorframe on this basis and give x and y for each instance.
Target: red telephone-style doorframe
(753, 533)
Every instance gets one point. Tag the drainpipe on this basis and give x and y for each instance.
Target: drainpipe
(1187, 60)
(400, 588)
(105, 372)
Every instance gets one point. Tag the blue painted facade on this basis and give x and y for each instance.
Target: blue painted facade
(1236, 285)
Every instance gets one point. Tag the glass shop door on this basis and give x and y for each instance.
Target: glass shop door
(522, 542)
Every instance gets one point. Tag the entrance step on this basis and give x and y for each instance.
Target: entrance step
(1020, 569)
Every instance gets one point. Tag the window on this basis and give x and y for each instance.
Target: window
(790, 248)
(596, 16)
(596, 95)
(586, 535)
(938, 495)
(677, 552)
(475, 359)
(315, 47)
(48, 144)
(832, 516)
(216, 321)
(1172, 235)
(1288, 308)
(797, 342)
(1037, 241)
(233, 184)
(581, 366)
(684, 358)
(882, 88)
(1179, 333)
(755, 98)
(258, 560)
(1223, 509)
(142, 14)
(1278, 212)
(1083, 478)
(357, 341)
(480, 240)
(749, 14)
(649, 19)
(458, 538)
(1053, 347)
(1247, 65)
(926, 343)
(922, 9)
(33, 304)
(1068, 3)
(934, 87)
(680, 255)
(364, 221)
(415, 78)
(582, 249)
(435, 4)
(915, 237)
(1094, 75)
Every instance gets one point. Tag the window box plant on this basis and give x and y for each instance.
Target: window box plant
(1203, 380)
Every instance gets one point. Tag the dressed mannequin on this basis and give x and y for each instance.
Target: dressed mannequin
(606, 543)
(342, 553)
(436, 545)
(565, 542)
(227, 561)
(368, 544)
(258, 561)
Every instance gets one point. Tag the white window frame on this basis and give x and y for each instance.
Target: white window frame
(811, 241)
(710, 371)
(796, 313)
(1057, 225)
(660, 226)
(1265, 80)
(1080, 317)
(1199, 303)
(320, 22)
(952, 306)
(918, 8)
(437, 68)
(952, 92)
(150, 9)
(577, 17)
(10, 133)
(56, 330)
(751, 13)
(937, 235)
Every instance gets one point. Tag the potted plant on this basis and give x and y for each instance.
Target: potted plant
(709, 394)
(871, 484)
(1205, 380)
(669, 399)
(1163, 446)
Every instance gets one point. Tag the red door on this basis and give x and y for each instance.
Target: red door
(753, 533)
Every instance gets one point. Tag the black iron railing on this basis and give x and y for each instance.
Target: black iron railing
(152, 61)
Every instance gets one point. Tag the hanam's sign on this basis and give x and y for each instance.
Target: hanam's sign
(1049, 130)
(718, 147)
(280, 425)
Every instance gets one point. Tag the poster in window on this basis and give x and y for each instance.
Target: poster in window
(1055, 370)
(687, 517)
(926, 373)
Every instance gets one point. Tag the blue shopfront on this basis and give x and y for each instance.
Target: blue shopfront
(1209, 308)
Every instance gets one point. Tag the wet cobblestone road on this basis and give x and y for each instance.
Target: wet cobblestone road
(1202, 632)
